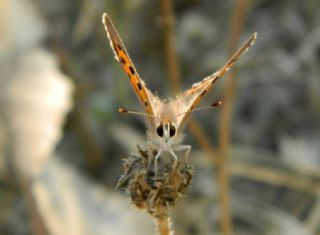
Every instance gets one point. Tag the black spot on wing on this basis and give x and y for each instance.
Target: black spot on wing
(139, 86)
(119, 47)
(131, 70)
(122, 60)
(146, 103)
(215, 79)
(231, 61)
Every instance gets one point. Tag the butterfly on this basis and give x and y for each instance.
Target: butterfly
(165, 118)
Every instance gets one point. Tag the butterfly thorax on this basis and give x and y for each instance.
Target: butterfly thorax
(165, 130)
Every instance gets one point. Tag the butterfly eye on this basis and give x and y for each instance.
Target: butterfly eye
(172, 130)
(160, 130)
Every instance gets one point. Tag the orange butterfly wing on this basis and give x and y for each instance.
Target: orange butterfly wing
(122, 56)
(198, 90)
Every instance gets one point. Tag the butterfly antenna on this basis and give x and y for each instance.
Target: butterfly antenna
(211, 106)
(125, 111)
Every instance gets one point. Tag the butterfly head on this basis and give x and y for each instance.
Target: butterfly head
(166, 130)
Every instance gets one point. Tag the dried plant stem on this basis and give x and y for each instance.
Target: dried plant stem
(225, 120)
(223, 177)
(275, 177)
(174, 73)
(202, 139)
(313, 219)
(172, 62)
(164, 226)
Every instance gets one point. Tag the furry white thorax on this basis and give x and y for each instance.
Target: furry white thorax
(169, 108)
(166, 110)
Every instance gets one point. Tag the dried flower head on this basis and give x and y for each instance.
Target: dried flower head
(157, 192)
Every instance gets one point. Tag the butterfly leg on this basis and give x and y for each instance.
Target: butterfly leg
(175, 158)
(183, 148)
(186, 149)
(156, 163)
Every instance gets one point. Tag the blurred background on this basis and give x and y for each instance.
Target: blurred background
(256, 158)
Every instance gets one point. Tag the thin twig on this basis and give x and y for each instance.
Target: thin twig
(174, 74)
(313, 220)
(163, 224)
(275, 177)
(225, 120)
(203, 140)
(172, 61)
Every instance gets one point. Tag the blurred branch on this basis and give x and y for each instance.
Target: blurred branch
(225, 120)
(203, 140)
(174, 74)
(172, 61)
(86, 19)
(313, 220)
(275, 177)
